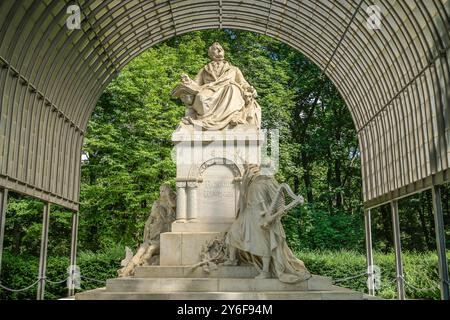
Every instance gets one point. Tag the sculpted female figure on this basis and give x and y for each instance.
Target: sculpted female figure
(219, 95)
(259, 234)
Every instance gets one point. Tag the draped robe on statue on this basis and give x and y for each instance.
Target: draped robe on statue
(221, 97)
(247, 235)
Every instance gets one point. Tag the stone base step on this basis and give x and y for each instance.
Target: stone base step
(156, 285)
(189, 272)
(102, 294)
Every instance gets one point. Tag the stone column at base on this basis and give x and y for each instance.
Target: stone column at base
(192, 200)
(181, 201)
(237, 182)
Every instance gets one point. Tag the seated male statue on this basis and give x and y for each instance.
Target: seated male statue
(258, 234)
(218, 96)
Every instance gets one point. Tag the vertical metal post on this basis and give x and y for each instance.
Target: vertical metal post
(3, 205)
(398, 251)
(369, 253)
(43, 254)
(440, 242)
(73, 251)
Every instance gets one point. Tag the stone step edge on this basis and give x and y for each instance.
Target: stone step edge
(316, 283)
(102, 294)
(314, 278)
(198, 272)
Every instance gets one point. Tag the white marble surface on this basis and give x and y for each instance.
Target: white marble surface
(209, 169)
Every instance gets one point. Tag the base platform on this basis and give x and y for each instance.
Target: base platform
(225, 283)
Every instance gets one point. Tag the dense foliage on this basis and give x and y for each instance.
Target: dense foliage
(21, 271)
(128, 156)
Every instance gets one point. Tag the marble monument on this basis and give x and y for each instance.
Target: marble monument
(221, 236)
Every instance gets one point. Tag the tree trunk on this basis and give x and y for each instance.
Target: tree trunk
(307, 176)
(423, 223)
(338, 182)
(429, 205)
(17, 239)
(337, 160)
(329, 181)
(446, 203)
(296, 184)
(301, 136)
(387, 226)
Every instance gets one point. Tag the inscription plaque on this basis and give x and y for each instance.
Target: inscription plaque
(218, 193)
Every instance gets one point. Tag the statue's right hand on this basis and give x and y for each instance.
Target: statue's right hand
(267, 223)
(301, 200)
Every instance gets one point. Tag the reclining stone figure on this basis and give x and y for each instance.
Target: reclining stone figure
(161, 217)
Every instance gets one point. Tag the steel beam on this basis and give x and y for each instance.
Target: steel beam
(14, 72)
(369, 253)
(38, 193)
(43, 254)
(398, 251)
(73, 252)
(440, 242)
(3, 206)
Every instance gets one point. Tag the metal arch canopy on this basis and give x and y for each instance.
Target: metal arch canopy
(395, 80)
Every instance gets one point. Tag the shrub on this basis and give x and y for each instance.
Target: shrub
(420, 271)
(21, 271)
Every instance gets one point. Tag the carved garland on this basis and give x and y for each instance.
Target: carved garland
(220, 161)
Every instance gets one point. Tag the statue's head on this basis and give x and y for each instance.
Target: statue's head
(216, 52)
(164, 189)
(167, 198)
(188, 99)
(251, 171)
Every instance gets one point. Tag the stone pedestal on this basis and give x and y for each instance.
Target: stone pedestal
(226, 282)
(183, 248)
(210, 165)
(209, 171)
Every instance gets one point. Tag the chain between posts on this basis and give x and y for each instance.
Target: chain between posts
(419, 289)
(23, 289)
(57, 282)
(49, 282)
(388, 282)
(104, 281)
